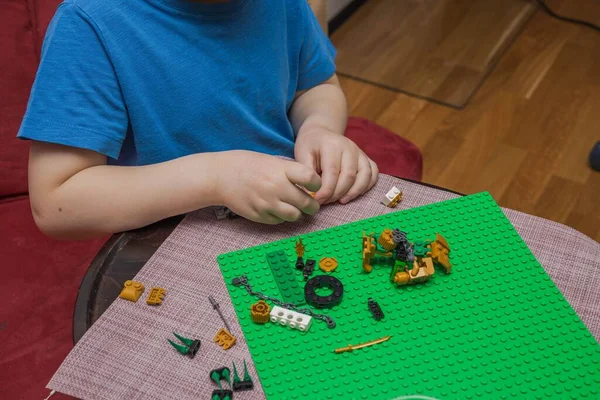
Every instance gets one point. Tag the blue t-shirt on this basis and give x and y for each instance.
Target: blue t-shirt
(145, 81)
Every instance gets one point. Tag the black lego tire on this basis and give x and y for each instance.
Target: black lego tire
(323, 281)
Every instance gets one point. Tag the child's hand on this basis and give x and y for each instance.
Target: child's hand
(262, 188)
(346, 171)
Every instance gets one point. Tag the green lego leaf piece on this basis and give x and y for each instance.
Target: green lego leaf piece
(227, 375)
(216, 378)
(186, 341)
(246, 374)
(284, 275)
(236, 378)
(179, 347)
(495, 327)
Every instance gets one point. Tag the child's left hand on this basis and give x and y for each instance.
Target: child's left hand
(345, 170)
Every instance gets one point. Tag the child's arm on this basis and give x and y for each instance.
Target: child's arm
(75, 195)
(319, 117)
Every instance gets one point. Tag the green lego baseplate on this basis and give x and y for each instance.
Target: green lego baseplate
(496, 327)
(285, 276)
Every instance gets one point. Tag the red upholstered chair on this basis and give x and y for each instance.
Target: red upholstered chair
(40, 276)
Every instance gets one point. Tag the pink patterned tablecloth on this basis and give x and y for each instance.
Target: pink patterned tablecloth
(125, 353)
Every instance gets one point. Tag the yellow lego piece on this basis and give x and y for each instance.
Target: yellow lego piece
(299, 248)
(386, 241)
(368, 248)
(156, 296)
(440, 251)
(224, 339)
(259, 312)
(328, 264)
(420, 272)
(132, 291)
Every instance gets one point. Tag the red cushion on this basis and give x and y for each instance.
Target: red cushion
(40, 278)
(18, 63)
(393, 154)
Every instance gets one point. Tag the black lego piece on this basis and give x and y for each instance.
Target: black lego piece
(321, 282)
(222, 394)
(309, 267)
(243, 385)
(375, 309)
(404, 250)
(300, 263)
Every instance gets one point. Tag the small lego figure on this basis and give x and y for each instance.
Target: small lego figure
(392, 198)
(224, 339)
(259, 312)
(132, 291)
(156, 296)
(189, 347)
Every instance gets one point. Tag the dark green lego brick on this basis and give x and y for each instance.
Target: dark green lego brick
(495, 328)
(285, 276)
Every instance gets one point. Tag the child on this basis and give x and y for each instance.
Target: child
(145, 109)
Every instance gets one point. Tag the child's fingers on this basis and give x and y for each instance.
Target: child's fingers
(303, 175)
(374, 174)
(348, 174)
(307, 158)
(362, 182)
(331, 160)
(300, 200)
(286, 212)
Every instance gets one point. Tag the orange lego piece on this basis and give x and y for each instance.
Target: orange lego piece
(386, 241)
(156, 296)
(224, 339)
(299, 248)
(259, 312)
(440, 251)
(132, 291)
(328, 264)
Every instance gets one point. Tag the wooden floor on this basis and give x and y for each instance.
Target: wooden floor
(438, 49)
(526, 134)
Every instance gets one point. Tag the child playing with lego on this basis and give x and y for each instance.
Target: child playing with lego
(145, 109)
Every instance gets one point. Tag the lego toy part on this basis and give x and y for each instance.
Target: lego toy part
(132, 291)
(309, 268)
(221, 374)
(284, 276)
(324, 282)
(362, 345)
(300, 248)
(294, 320)
(221, 394)
(300, 263)
(217, 307)
(259, 312)
(189, 347)
(156, 296)
(392, 198)
(375, 309)
(224, 339)
(328, 264)
(240, 385)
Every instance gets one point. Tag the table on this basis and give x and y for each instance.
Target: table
(120, 259)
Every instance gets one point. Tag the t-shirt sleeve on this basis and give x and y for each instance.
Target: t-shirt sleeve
(76, 99)
(317, 54)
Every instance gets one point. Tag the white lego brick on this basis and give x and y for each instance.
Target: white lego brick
(394, 191)
(290, 318)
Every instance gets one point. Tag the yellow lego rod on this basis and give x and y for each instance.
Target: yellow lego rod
(360, 346)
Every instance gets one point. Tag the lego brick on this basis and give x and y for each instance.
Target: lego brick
(290, 318)
(286, 279)
(496, 327)
(132, 291)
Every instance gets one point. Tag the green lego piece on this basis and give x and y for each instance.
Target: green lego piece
(290, 290)
(246, 374)
(496, 327)
(421, 248)
(236, 378)
(184, 340)
(179, 347)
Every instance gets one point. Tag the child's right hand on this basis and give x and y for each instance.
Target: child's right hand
(262, 188)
